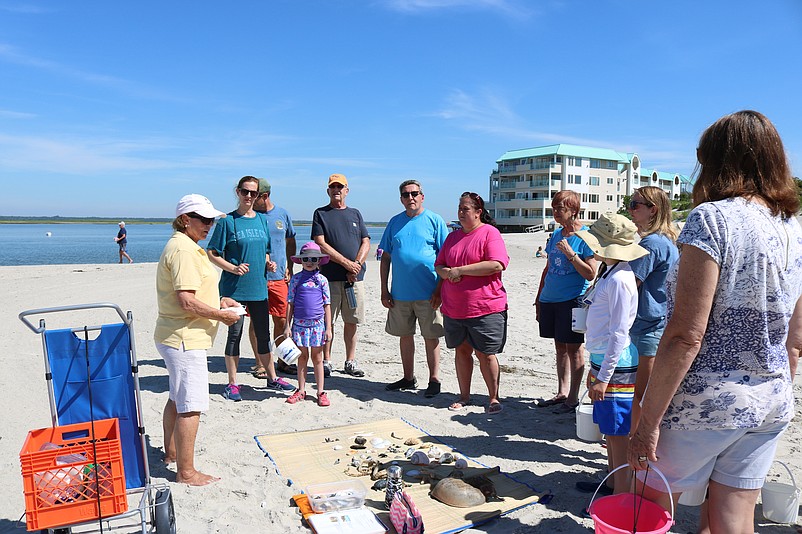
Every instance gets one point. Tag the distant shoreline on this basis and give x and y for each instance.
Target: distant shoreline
(4, 219)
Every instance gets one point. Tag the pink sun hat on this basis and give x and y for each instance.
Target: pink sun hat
(310, 250)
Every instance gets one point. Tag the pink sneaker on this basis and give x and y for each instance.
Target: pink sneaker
(323, 400)
(295, 397)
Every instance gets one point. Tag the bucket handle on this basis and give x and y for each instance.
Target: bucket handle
(626, 465)
(793, 480)
(278, 337)
(581, 397)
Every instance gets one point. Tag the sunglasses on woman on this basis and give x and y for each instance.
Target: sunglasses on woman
(310, 259)
(633, 204)
(205, 220)
(248, 193)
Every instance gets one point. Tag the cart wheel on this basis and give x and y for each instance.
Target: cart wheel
(164, 513)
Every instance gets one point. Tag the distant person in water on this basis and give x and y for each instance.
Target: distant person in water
(122, 241)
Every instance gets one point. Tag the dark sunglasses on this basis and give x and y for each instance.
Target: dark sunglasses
(413, 194)
(476, 198)
(336, 186)
(248, 193)
(633, 204)
(310, 259)
(204, 220)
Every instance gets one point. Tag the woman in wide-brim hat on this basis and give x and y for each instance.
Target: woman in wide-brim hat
(613, 305)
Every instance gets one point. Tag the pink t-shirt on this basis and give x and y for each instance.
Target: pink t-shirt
(473, 296)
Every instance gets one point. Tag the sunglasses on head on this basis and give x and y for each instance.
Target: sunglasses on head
(310, 259)
(413, 194)
(476, 198)
(204, 220)
(248, 193)
(633, 204)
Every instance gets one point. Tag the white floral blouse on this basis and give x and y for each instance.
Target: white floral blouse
(741, 377)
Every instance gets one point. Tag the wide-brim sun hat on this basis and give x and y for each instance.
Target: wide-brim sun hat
(310, 250)
(194, 203)
(612, 236)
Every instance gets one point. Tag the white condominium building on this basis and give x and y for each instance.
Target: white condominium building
(526, 180)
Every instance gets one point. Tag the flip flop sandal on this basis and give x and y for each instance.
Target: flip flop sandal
(494, 408)
(543, 403)
(261, 374)
(459, 406)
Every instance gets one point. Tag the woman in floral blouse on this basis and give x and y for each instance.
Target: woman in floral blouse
(721, 393)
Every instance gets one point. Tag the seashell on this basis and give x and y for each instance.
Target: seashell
(379, 485)
(337, 447)
(412, 472)
(410, 452)
(457, 493)
(419, 458)
(435, 452)
(446, 458)
(379, 443)
(360, 440)
(412, 441)
(355, 461)
(460, 463)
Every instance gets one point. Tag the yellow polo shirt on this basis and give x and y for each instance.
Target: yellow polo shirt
(184, 266)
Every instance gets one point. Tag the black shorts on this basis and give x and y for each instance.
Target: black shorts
(555, 321)
(487, 333)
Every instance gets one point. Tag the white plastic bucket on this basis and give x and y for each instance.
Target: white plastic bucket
(579, 318)
(780, 501)
(286, 350)
(694, 497)
(586, 429)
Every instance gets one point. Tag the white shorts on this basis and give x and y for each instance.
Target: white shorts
(189, 378)
(737, 458)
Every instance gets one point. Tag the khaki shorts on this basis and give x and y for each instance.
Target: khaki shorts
(188, 378)
(339, 305)
(401, 319)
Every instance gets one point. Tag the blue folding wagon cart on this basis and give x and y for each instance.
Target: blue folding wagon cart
(92, 378)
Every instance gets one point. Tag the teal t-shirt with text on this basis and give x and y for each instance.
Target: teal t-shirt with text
(239, 240)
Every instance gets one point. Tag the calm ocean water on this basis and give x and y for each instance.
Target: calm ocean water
(29, 244)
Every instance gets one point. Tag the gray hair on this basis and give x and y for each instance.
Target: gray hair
(409, 182)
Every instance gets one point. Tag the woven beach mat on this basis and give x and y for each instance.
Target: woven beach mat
(306, 458)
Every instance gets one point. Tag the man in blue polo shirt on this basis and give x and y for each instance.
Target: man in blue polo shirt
(410, 243)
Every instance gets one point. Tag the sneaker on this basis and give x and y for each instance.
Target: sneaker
(588, 486)
(279, 384)
(282, 367)
(432, 390)
(323, 400)
(232, 393)
(295, 397)
(352, 368)
(326, 368)
(402, 384)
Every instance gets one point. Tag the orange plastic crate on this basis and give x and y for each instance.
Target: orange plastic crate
(59, 483)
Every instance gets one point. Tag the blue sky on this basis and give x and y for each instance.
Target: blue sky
(119, 108)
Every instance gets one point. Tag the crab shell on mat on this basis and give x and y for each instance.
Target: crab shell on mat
(457, 493)
(412, 441)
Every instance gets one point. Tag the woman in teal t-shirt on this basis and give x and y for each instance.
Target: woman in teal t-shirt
(570, 268)
(240, 246)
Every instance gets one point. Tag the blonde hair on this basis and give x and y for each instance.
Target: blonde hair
(660, 222)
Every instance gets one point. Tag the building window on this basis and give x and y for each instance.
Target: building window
(610, 181)
(584, 197)
(593, 215)
(593, 199)
(610, 165)
(595, 164)
(609, 198)
(594, 180)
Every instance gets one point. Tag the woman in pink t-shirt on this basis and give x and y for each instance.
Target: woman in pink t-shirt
(474, 301)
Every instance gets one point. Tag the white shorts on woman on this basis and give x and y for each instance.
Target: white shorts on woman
(189, 378)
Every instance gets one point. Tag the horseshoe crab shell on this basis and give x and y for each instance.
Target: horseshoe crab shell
(457, 493)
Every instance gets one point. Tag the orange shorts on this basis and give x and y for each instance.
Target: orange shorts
(277, 297)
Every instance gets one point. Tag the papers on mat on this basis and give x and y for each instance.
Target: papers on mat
(353, 521)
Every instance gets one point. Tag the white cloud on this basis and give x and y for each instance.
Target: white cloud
(16, 114)
(506, 7)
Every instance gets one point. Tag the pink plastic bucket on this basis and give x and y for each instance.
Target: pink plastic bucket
(615, 514)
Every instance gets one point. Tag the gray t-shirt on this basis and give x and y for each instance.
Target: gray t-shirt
(343, 229)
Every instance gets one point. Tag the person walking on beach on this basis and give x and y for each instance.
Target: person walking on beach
(410, 244)
(122, 242)
(340, 232)
(474, 298)
(309, 313)
(190, 308)
(240, 246)
(282, 246)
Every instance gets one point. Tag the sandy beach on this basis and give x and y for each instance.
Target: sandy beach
(539, 447)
